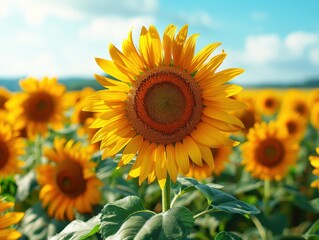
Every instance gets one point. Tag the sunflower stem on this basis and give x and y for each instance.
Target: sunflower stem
(266, 196)
(37, 149)
(166, 195)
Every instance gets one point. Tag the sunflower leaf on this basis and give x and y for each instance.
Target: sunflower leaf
(127, 219)
(219, 200)
(79, 230)
(114, 214)
(226, 236)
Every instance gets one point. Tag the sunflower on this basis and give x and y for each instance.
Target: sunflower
(68, 182)
(314, 161)
(314, 115)
(40, 104)
(296, 101)
(248, 117)
(269, 151)
(4, 97)
(168, 105)
(294, 123)
(268, 102)
(11, 148)
(7, 219)
(220, 156)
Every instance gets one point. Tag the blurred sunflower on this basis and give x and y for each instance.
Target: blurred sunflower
(168, 105)
(248, 117)
(7, 219)
(295, 101)
(294, 123)
(314, 161)
(11, 148)
(221, 157)
(269, 151)
(39, 105)
(268, 102)
(314, 115)
(73, 97)
(68, 182)
(4, 97)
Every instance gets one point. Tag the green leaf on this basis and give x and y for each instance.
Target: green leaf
(36, 224)
(79, 230)
(226, 236)
(176, 223)
(219, 200)
(313, 231)
(126, 219)
(114, 214)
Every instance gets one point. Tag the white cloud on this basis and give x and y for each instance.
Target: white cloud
(261, 49)
(298, 42)
(113, 28)
(198, 19)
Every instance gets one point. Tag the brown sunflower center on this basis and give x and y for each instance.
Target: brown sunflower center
(292, 127)
(301, 108)
(84, 115)
(3, 100)
(4, 154)
(69, 178)
(39, 107)
(270, 152)
(269, 103)
(215, 152)
(164, 105)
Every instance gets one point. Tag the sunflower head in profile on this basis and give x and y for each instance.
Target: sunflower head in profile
(268, 102)
(220, 156)
(7, 219)
(39, 105)
(11, 148)
(167, 103)
(269, 151)
(314, 161)
(68, 182)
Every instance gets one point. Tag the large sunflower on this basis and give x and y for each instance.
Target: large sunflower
(7, 219)
(168, 105)
(269, 151)
(11, 148)
(68, 182)
(40, 104)
(314, 161)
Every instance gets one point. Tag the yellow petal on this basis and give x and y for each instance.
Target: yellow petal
(181, 158)
(193, 150)
(168, 38)
(131, 149)
(112, 84)
(160, 165)
(178, 44)
(110, 68)
(171, 162)
(222, 116)
(207, 155)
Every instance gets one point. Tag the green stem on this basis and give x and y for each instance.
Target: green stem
(266, 196)
(166, 195)
(204, 212)
(260, 228)
(37, 149)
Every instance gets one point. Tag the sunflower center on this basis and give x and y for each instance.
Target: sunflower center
(84, 115)
(269, 103)
(270, 152)
(300, 108)
(292, 127)
(70, 178)
(164, 105)
(4, 154)
(215, 152)
(39, 107)
(3, 100)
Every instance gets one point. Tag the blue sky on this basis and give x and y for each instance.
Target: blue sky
(274, 41)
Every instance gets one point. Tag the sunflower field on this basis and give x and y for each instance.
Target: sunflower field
(166, 148)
